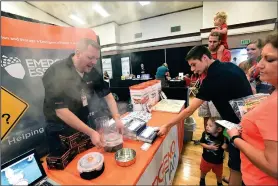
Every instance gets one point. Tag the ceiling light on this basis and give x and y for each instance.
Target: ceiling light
(143, 3)
(101, 11)
(77, 19)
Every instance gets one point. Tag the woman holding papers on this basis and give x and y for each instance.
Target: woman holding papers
(258, 139)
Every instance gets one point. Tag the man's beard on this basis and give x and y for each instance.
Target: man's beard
(214, 49)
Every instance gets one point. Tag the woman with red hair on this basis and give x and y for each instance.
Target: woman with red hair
(257, 141)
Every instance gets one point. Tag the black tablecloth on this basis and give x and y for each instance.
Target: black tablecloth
(180, 83)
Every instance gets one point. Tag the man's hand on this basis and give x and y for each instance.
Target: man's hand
(215, 29)
(194, 105)
(114, 111)
(97, 139)
(119, 125)
(163, 130)
(248, 77)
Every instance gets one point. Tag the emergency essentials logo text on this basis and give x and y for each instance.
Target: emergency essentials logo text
(13, 66)
(37, 68)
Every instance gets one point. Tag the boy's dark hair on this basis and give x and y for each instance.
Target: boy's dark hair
(197, 52)
(213, 119)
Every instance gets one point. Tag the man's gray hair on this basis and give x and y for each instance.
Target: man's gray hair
(85, 42)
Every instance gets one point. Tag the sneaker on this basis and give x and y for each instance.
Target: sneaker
(219, 184)
(196, 142)
(202, 182)
(225, 179)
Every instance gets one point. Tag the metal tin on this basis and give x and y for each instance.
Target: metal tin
(125, 157)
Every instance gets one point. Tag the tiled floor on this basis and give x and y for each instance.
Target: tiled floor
(188, 172)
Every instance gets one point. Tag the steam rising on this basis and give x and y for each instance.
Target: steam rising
(29, 131)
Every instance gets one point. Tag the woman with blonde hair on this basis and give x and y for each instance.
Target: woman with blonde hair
(254, 49)
(257, 141)
(251, 69)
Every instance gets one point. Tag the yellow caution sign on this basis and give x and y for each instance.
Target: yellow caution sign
(12, 109)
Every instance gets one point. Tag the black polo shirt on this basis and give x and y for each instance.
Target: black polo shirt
(224, 82)
(63, 86)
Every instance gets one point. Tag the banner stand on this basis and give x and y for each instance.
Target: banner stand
(27, 50)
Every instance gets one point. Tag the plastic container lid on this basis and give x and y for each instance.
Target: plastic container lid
(112, 137)
(156, 81)
(150, 83)
(137, 87)
(146, 85)
(134, 87)
(90, 162)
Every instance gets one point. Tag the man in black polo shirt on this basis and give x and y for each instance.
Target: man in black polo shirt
(224, 82)
(69, 84)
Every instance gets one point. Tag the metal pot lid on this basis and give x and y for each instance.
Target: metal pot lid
(90, 162)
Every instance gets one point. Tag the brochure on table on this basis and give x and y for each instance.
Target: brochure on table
(136, 127)
(169, 105)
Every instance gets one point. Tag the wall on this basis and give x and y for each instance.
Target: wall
(163, 42)
(26, 10)
(157, 27)
(107, 33)
(193, 21)
(117, 30)
(116, 38)
(234, 40)
(175, 58)
(239, 12)
(240, 54)
(161, 26)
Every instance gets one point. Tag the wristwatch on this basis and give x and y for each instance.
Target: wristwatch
(234, 137)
